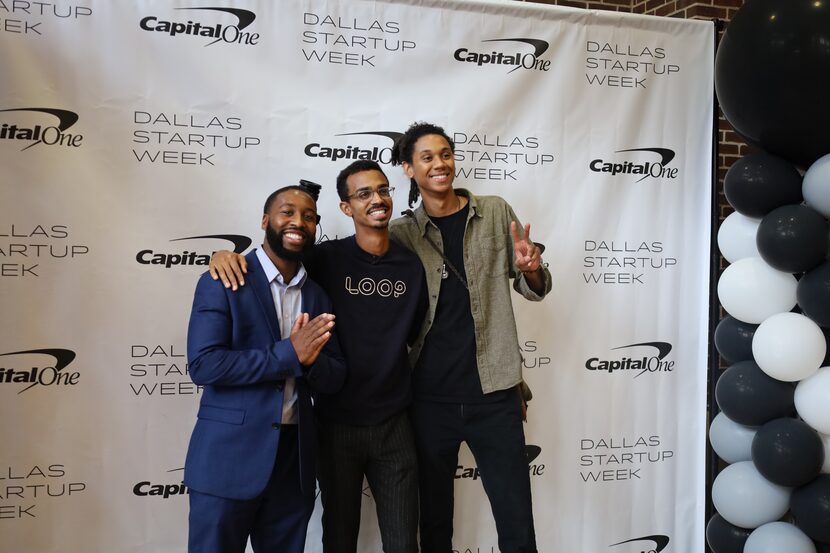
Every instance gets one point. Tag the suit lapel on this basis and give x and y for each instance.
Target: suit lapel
(308, 303)
(262, 291)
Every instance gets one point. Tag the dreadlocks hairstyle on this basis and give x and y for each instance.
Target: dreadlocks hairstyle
(355, 167)
(404, 147)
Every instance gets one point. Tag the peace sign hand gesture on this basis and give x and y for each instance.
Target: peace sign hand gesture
(528, 255)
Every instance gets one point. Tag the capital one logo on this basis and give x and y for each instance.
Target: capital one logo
(13, 371)
(354, 151)
(170, 259)
(654, 166)
(532, 452)
(164, 490)
(652, 362)
(502, 55)
(32, 126)
(229, 34)
(646, 544)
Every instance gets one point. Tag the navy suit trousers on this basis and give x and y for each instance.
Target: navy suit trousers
(276, 520)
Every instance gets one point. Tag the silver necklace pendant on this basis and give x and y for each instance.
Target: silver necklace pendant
(444, 274)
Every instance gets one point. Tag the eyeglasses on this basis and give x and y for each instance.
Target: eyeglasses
(365, 194)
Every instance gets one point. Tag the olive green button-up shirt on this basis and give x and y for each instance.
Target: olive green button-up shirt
(488, 264)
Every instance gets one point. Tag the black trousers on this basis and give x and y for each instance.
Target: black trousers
(494, 434)
(385, 454)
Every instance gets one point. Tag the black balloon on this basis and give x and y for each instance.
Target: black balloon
(813, 294)
(749, 397)
(733, 339)
(787, 452)
(723, 537)
(772, 75)
(810, 507)
(793, 238)
(758, 183)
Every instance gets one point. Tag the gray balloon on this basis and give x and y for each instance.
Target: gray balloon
(731, 441)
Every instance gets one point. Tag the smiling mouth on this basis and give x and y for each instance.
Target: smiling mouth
(378, 210)
(294, 237)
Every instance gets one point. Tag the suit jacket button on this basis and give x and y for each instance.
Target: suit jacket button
(275, 425)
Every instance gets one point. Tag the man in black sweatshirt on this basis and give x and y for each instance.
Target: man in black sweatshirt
(378, 292)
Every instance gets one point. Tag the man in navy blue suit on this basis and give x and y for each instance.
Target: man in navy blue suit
(259, 353)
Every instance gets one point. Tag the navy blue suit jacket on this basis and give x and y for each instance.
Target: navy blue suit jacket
(235, 352)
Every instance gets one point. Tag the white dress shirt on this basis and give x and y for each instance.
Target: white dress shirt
(288, 303)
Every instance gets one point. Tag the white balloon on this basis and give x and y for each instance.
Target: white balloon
(750, 290)
(816, 185)
(812, 400)
(731, 441)
(745, 498)
(778, 537)
(789, 347)
(736, 237)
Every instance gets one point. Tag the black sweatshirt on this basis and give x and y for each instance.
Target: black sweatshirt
(379, 303)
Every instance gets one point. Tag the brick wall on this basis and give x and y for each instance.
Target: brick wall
(731, 147)
(688, 9)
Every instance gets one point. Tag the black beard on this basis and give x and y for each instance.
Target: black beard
(275, 242)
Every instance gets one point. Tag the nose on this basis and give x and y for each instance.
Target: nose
(299, 222)
(297, 219)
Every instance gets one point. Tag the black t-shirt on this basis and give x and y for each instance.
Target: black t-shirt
(379, 303)
(447, 369)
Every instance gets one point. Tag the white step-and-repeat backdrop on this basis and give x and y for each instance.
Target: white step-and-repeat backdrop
(138, 137)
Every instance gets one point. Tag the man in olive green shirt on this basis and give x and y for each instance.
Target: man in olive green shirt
(467, 362)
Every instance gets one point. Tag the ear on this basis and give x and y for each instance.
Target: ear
(264, 221)
(407, 168)
(346, 208)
